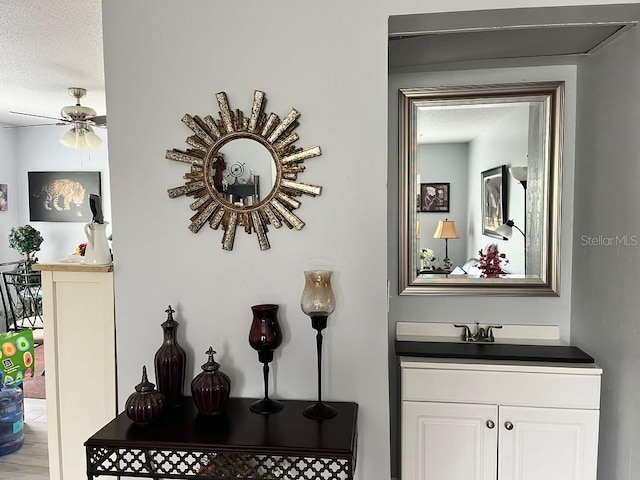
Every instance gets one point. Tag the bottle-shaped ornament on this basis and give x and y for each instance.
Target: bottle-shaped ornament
(146, 404)
(170, 361)
(210, 389)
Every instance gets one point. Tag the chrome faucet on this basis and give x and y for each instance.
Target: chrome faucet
(481, 334)
(465, 336)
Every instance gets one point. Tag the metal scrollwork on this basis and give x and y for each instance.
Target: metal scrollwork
(208, 184)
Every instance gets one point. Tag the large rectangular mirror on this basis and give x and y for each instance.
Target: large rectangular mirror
(480, 170)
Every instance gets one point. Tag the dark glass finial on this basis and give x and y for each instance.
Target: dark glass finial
(211, 365)
(170, 322)
(145, 385)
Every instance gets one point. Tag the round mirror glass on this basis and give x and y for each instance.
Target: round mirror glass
(243, 172)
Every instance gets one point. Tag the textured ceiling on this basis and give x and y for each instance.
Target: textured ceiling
(48, 46)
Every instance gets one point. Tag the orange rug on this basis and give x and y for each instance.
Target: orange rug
(34, 387)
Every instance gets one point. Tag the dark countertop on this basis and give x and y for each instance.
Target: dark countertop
(493, 351)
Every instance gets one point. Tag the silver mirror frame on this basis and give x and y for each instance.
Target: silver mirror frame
(548, 285)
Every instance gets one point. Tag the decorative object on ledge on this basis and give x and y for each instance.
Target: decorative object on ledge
(426, 257)
(264, 337)
(146, 404)
(318, 302)
(491, 261)
(210, 389)
(170, 362)
(97, 250)
(234, 135)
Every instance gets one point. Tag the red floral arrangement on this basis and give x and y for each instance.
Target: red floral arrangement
(80, 249)
(491, 261)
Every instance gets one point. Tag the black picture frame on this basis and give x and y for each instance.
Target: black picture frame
(4, 197)
(62, 196)
(434, 197)
(495, 197)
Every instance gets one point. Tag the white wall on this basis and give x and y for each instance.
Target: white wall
(163, 59)
(38, 149)
(8, 176)
(606, 254)
(445, 163)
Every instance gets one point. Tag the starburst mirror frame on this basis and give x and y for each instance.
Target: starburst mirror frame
(277, 136)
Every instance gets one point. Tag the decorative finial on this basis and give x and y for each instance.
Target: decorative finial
(145, 385)
(169, 322)
(211, 365)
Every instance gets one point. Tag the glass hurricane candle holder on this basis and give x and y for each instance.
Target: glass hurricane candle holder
(264, 337)
(318, 302)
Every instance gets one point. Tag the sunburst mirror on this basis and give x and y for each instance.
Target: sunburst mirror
(244, 170)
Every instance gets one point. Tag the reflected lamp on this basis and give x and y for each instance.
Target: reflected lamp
(446, 230)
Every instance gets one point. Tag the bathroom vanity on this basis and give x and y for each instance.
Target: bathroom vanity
(487, 418)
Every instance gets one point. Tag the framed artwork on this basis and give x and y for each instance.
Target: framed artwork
(494, 200)
(62, 196)
(434, 197)
(4, 205)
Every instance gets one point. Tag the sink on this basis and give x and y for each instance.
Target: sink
(512, 342)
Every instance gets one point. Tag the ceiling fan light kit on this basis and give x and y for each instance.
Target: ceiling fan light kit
(81, 119)
(81, 137)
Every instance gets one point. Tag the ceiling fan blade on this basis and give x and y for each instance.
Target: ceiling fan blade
(100, 120)
(41, 116)
(35, 125)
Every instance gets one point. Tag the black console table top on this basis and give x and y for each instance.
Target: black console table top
(237, 433)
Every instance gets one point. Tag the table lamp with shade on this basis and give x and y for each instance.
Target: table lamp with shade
(446, 230)
(318, 302)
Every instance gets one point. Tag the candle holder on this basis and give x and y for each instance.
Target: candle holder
(318, 302)
(264, 337)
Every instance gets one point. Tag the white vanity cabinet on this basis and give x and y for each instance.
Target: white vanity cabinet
(484, 420)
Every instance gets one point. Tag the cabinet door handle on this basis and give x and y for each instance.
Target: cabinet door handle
(508, 425)
(490, 424)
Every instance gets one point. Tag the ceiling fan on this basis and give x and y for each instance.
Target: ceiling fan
(82, 120)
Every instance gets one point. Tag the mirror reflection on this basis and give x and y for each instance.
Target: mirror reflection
(243, 170)
(480, 189)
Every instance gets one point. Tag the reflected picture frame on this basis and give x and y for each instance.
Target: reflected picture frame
(434, 197)
(495, 198)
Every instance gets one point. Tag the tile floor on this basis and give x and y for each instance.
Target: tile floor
(31, 461)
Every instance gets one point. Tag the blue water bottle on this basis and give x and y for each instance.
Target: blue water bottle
(11, 417)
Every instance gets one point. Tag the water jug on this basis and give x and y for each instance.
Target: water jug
(97, 251)
(11, 418)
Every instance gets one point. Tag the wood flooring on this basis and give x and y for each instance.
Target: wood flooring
(31, 462)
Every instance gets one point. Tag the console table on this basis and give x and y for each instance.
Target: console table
(234, 444)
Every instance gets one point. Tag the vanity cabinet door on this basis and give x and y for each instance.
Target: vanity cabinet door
(547, 443)
(449, 441)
